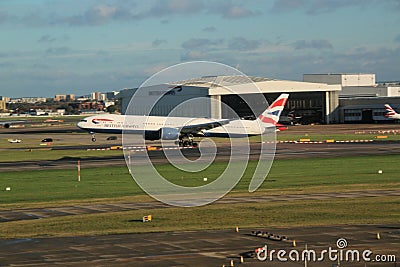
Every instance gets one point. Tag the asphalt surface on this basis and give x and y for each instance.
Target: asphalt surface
(283, 151)
(207, 248)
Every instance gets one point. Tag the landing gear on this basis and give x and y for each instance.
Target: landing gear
(93, 137)
(187, 141)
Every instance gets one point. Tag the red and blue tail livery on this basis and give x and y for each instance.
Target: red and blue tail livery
(390, 113)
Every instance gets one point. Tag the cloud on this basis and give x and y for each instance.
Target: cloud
(169, 7)
(243, 44)
(193, 55)
(397, 39)
(312, 44)
(231, 11)
(314, 7)
(7, 64)
(226, 9)
(158, 42)
(200, 43)
(99, 14)
(287, 5)
(117, 11)
(57, 50)
(34, 19)
(46, 39)
(5, 17)
(209, 29)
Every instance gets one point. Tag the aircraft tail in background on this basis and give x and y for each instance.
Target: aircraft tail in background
(390, 113)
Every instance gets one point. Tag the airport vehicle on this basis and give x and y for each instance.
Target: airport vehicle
(390, 113)
(47, 140)
(52, 121)
(7, 124)
(184, 129)
(14, 141)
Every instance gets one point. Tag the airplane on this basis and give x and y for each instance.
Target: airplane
(7, 124)
(184, 129)
(390, 113)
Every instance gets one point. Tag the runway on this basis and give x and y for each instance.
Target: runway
(200, 248)
(283, 151)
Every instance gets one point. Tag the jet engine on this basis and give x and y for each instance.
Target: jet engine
(163, 134)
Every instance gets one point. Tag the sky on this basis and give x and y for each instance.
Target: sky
(76, 47)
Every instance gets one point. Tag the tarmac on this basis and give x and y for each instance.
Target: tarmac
(210, 248)
(283, 151)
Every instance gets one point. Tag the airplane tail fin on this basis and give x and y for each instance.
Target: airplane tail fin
(273, 112)
(389, 111)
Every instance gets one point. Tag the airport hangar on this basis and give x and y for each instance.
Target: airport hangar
(362, 99)
(316, 101)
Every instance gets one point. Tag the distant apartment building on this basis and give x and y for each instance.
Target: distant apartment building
(3, 105)
(7, 99)
(68, 98)
(59, 98)
(33, 100)
(98, 96)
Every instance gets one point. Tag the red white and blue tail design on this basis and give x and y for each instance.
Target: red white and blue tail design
(271, 115)
(390, 113)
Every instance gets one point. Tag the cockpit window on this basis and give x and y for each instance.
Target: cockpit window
(84, 120)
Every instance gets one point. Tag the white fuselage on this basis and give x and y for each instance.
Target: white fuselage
(111, 123)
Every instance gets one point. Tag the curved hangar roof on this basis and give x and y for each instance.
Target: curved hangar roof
(224, 85)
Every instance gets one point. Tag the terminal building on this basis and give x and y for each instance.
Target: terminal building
(319, 98)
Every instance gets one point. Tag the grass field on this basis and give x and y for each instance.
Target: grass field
(49, 188)
(296, 175)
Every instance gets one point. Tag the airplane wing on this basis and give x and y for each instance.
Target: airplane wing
(196, 128)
